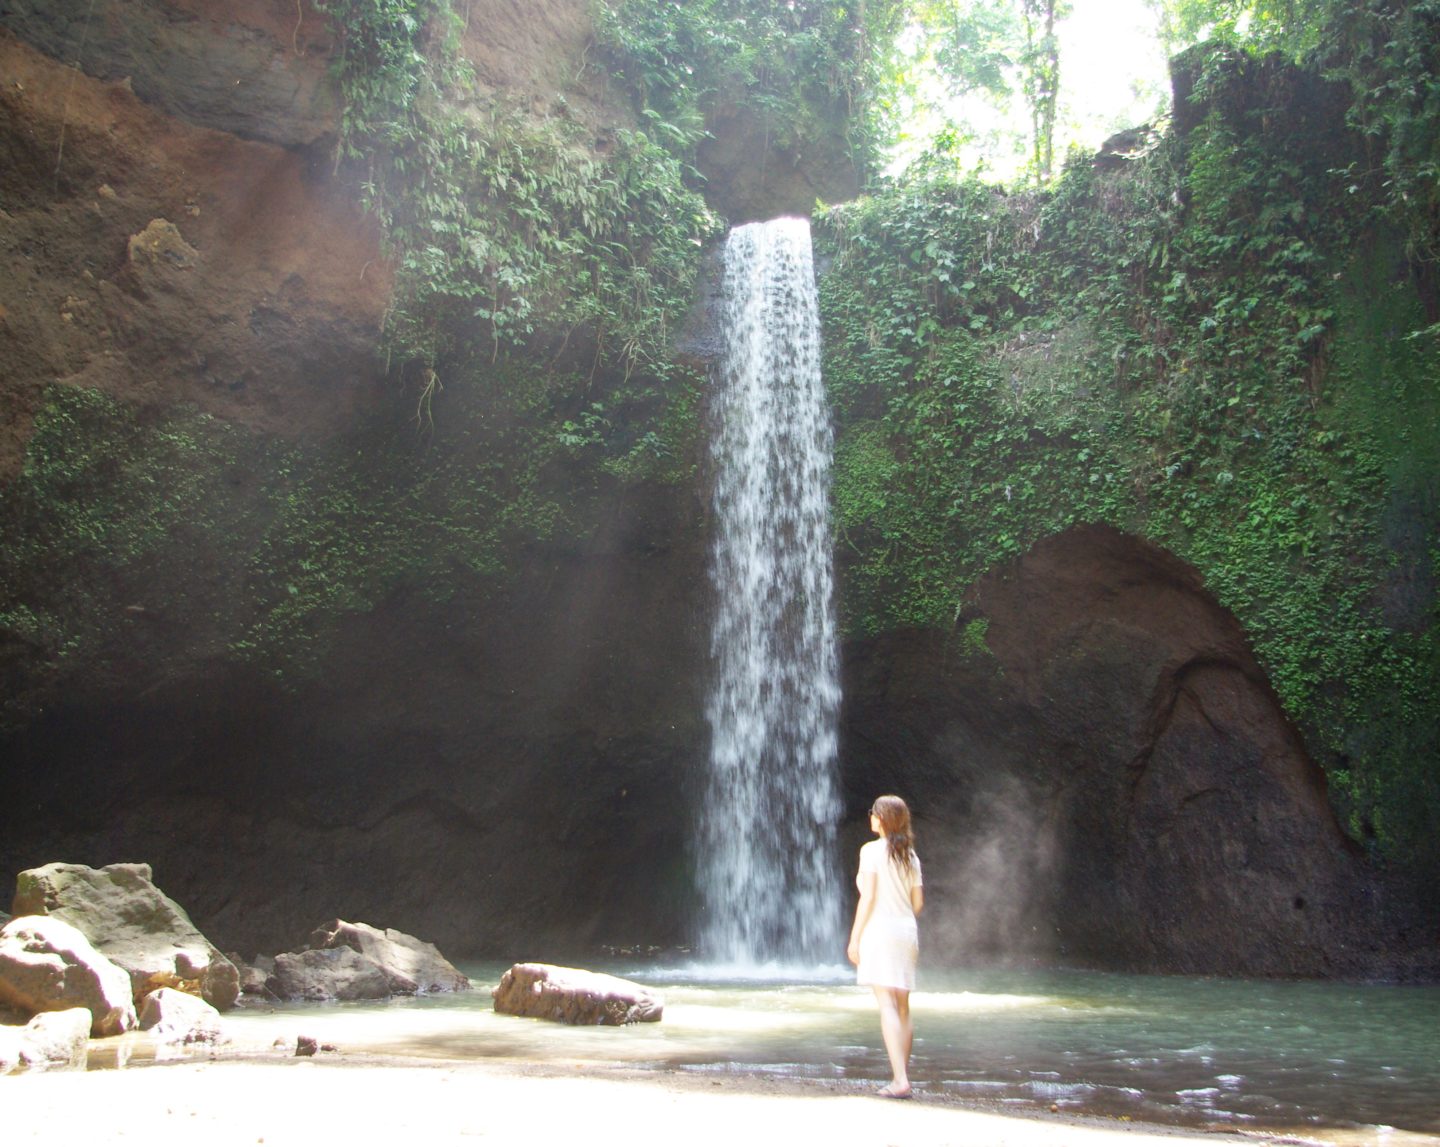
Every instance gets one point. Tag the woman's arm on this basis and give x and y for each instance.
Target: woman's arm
(917, 898)
(863, 910)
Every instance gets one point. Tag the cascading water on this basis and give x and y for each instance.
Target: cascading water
(766, 863)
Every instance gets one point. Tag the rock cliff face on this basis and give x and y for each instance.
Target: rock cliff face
(162, 262)
(498, 774)
(1104, 776)
(511, 771)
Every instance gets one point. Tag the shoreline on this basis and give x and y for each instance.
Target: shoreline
(245, 1097)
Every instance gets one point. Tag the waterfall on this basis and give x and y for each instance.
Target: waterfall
(767, 826)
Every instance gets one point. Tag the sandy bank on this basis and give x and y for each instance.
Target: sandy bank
(359, 1101)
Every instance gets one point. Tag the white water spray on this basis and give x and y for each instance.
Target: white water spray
(767, 826)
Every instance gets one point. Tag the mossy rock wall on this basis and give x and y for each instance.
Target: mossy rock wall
(1219, 346)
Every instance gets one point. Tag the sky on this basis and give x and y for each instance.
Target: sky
(1113, 75)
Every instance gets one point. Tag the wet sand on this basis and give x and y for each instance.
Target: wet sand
(361, 1100)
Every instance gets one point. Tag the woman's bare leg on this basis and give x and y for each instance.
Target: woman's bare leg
(898, 1033)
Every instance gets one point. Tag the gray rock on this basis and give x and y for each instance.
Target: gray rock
(51, 1041)
(134, 924)
(331, 974)
(411, 966)
(177, 1017)
(574, 996)
(46, 965)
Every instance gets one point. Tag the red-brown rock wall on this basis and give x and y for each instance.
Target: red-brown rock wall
(163, 262)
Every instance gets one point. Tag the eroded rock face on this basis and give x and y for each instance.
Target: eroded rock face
(575, 996)
(489, 773)
(750, 177)
(1108, 779)
(164, 262)
(134, 924)
(47, 965)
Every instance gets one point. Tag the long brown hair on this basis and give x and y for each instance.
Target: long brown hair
(894, 817)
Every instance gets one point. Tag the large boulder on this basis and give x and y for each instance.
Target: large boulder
(134, 924)
(411, 966)
(50, 1041)
(574, 996)
(328, 974)
(177, 1017)
(47, 965)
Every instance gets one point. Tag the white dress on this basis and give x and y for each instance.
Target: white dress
(889, 945)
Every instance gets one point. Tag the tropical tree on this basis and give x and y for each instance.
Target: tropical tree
(1041, 72)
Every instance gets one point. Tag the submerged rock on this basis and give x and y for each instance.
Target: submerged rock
(46, 965)
(134, 924)
(411, 966)
(575, 996)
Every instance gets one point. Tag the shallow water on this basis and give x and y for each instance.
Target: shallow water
(1270, 1055)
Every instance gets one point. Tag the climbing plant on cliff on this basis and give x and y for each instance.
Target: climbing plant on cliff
(799, 66)
(1388, 53)
(1188, 346)
(506, 228)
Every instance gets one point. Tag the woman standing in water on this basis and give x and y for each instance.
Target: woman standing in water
(884, 943)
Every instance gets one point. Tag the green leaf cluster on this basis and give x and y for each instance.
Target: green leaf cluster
(1387, 52)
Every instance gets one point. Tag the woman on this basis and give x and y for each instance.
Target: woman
(884, 941)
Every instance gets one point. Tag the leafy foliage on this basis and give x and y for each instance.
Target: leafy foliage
(507, 228)
(1156, 348)
(1388, 53)
(1042, 79)
(793, 62)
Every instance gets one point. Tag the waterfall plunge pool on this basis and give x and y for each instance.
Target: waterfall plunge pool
(1341, 1061)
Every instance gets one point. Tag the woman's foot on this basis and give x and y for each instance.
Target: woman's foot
(892, 1091)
